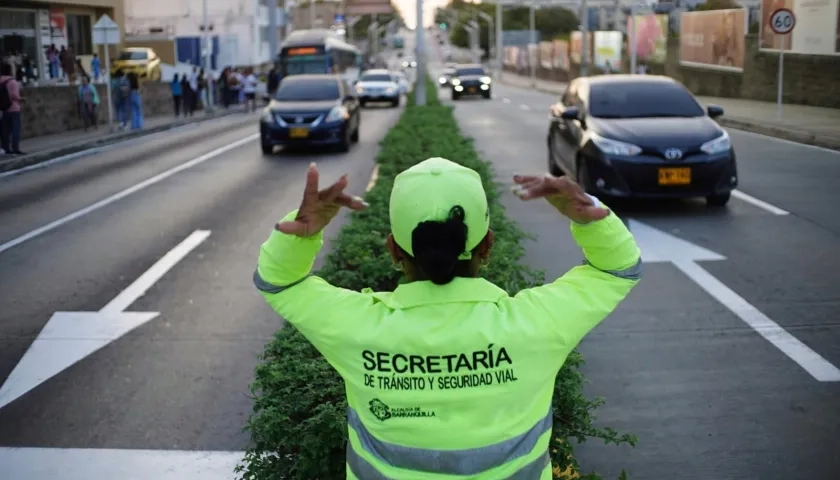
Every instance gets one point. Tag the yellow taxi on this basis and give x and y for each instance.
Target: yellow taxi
(143, 61)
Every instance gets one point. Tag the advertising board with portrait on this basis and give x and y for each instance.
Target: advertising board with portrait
(561, 55)
(713, 39)
(651, 37)
(576, 47)
(608, 50)
(545, 55)
(817, 29)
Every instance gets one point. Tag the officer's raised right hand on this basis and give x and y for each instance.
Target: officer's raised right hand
(563, 194)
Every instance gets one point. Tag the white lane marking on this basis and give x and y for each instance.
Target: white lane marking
(809, 360)
(120, 195)
(505, 100)
(373, 177)
(69, 337)
(782, 140)
(524, 107)
(92, 464)
(151, 276)
(759, 203)
(658, 246)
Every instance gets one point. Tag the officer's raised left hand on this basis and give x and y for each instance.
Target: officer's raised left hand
(319, 207)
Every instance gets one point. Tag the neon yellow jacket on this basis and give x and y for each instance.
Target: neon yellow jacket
(453, 381)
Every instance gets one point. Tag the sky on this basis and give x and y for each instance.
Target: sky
(408, 8)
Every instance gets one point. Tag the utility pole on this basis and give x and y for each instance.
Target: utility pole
(584, 41)
(420, 78)
(499, 45)
(311, 13)
(631, 37)
(205, 57)
(532, 44)
(272, 28)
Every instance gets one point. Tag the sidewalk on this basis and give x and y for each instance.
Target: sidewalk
(48, 147)
(800, 123)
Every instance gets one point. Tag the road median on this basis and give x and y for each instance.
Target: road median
(82, 145)
(298, 428)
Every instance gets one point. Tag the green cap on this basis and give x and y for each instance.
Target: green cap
(428, 191)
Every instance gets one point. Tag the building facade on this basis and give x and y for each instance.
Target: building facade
(28, 28)
(240, 28)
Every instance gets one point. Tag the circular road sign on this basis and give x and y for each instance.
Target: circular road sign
(782, 21)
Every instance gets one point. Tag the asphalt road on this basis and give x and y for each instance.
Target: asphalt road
(707, 395)
(180, 381)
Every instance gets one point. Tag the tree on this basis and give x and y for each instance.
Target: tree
(717, 5)
(549, 22)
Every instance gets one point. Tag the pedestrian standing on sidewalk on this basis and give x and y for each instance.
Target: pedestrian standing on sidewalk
(188, 95)
(224, 87)
(202, 91)
(135, 102)
(249, 89)
(88, 103)
(68, 63)
(10, 100)
(96, 67)
(52, 61)
(272, 83)
(177, 92)
(121, 91)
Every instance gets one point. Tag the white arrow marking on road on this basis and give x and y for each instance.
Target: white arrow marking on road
(116, 464)
(658, 246)
(71, 336)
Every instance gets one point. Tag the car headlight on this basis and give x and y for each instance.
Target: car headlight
(267, 116)
(720, 144)
(455, 81)
(405, 64)
(614, 147)
(390, 90)
(337, 114)
(413, 64)
(442, 79)
(486, 79)
(359, 89)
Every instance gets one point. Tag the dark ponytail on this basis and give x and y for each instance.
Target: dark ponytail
(437, 246)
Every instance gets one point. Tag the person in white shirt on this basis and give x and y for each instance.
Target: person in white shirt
(249, 88)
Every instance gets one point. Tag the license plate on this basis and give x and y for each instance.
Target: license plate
(675, 176)
(472, 89)
(299, 133)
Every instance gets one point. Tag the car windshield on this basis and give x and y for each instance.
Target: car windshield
(308, 90)
(377, 77)
(448, 71)
(464, 72)
(642, 100)
(133, 55)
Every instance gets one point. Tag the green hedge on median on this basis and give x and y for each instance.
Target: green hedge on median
(298, 426)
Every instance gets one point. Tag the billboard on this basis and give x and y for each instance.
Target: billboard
(576, 46)
(713, 39)
(545, 54)
(651, 37)
(367, 7)
(561, 55)
(608, 50)
(817, 30)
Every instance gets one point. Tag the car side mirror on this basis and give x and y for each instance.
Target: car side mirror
(714, 111)
(570, 113)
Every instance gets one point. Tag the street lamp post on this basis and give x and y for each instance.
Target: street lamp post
(205, 57)
(472, 30)
(420, 78)
(499, 45)
(490, 42)
(532, 44)
(584, 41)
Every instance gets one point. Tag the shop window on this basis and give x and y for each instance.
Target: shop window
(79, 33)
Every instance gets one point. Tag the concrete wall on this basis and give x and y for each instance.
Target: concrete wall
(54, 109)
(808, 79)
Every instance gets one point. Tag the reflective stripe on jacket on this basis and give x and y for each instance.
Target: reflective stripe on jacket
(453, 381)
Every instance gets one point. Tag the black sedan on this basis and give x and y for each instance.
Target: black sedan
(311, 110)
(470, 80)
(640, 136)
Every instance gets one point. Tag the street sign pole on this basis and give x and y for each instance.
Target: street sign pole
(106, 32)
(782, 22)
(420, 77)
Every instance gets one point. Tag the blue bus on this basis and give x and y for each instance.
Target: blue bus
(318, 51)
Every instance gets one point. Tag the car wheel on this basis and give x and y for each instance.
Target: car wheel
(395, 103)
(362, 103)
(582, 176)
(552, 164)
(344, 146)
(455, 97)
(267, 149)
(487, 95)
(355, 137)
(718, 200)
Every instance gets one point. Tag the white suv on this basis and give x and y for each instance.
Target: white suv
(378, 86)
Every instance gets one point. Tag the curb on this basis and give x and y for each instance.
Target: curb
(43, 156)
(747, 126)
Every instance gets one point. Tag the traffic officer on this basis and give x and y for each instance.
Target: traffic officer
(447, 376)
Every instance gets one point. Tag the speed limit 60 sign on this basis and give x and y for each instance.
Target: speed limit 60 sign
(782, 21)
